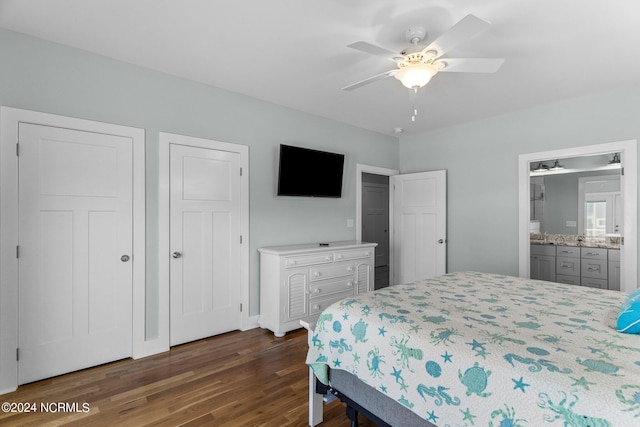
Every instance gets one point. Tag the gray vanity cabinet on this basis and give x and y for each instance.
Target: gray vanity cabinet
(568, 265)
(581, 266)
(594, 268)
(614, 269)
(543, 262)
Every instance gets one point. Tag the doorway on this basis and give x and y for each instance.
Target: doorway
(375, 222)
(628, 249)
(382, 176)
(417, 223)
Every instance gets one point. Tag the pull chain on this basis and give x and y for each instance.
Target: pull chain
(413, 93)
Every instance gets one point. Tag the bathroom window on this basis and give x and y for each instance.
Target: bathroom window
(596, 216)
(600, 205)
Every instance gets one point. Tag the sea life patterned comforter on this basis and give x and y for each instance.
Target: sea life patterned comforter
(474, 349)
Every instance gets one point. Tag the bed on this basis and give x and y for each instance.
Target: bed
(476, 349)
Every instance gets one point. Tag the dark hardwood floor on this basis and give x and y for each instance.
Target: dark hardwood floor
(237, 379)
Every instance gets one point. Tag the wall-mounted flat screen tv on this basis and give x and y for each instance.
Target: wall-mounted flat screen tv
(310, 173)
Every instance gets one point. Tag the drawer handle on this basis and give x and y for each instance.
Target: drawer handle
(593, 269)
(292, 262)
(316, 291)
(367, 253)
(316, 307)
(327, 258)
(350, 268)
(593, 253)
(349, 284)
(316, 274)
(567, 252)
(567, 266)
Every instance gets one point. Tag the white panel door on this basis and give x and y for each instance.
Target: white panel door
(205, 242)
(75, 234)
(420, 225)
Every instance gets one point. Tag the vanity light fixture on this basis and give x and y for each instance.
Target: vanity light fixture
(541, 167)
(615, 160)
(556, 166)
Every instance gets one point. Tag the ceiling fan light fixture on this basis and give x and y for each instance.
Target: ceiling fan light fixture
(415, 76)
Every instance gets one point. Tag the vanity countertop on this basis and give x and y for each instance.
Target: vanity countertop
(572, 240)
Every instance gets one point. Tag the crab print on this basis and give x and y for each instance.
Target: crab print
(374, 360)
(508, 418)
(443, 336)
(629, 395)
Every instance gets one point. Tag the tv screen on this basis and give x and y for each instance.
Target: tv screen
(311, 173)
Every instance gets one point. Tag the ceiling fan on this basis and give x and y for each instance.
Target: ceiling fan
(417, 65)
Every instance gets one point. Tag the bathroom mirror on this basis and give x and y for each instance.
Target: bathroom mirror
(576, 196)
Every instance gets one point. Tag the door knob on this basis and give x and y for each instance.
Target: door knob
(176, 255)
(441, 241)
(124, 258)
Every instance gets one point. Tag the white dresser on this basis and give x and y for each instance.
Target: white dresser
(297, 282)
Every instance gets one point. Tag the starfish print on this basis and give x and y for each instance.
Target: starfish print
(520, 384)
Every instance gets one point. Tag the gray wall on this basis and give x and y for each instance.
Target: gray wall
(42, 76)
(482, 204)
(482, 163)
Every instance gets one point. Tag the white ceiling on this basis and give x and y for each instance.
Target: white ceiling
(293, 52)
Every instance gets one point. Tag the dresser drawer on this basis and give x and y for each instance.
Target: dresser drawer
(304, 260)
(318, 305)
(352, 254)
(594, 253)
(543, 250)
(594, 269)
(568, 251)
(331, 287)
(568, 266)
(569, 280)
(330, 271)
(594, 283)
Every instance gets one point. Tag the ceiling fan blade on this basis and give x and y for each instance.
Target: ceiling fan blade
(470, 65)
(465, 29)
(371, 80)
(372, 49)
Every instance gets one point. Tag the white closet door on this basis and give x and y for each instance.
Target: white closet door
(205, 242)
(75, 266)
(420, 222)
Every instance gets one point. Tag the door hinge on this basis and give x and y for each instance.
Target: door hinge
(621, 171)
(240, 171)
(240, 307)
(18, 251)
(622, 241)
(17, 149)
(17, 354)
(241, 239)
